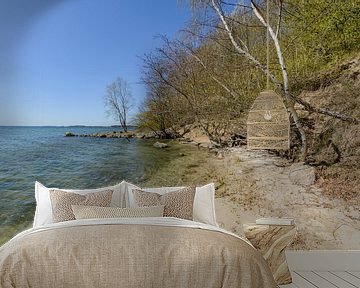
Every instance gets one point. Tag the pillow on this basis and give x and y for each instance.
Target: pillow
(204, 202)
(177, 204)
(129, 196)
(61, 202)
(91, 212)
(43, 212)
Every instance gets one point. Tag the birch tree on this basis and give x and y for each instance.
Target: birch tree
(118, 101)
(228, 19)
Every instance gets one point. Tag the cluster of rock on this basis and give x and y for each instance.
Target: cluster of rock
(207, 144)
(151, 135)
(116, 134)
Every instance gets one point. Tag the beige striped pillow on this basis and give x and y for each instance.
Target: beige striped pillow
(94, 212)
(61, 202)
(177, 204)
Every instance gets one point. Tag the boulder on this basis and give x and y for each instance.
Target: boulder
(160, 145)
(69, 134)
(301, 174)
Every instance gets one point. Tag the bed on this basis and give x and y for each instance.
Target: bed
(132, 252)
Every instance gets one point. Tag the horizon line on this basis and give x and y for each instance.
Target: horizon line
(75, 125)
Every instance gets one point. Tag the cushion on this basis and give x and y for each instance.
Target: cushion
(93, 212)
(43, 212)
(204, 202)
(177, 204)
(61, 202)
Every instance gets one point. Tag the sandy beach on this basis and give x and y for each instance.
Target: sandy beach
(254, 184)
(257, 184)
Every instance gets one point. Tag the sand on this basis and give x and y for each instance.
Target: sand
(254, 184)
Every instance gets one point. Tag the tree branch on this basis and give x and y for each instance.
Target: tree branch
(225, 87)
(310, 108)
(290, 104)
(279, 18)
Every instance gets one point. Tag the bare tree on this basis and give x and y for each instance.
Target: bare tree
(118, 101)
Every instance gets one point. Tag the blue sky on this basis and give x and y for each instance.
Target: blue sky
(56, 57)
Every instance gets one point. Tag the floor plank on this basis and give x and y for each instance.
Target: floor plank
(324, 269)
(348, 278)
(323, 260)
(316, 280)
(301, 281)
(355, 273)
(334, 279)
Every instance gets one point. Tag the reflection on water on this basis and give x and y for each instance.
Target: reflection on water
(29, 154)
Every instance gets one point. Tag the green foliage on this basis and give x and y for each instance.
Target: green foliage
(329, 28)
(323, 30)
(201, 79)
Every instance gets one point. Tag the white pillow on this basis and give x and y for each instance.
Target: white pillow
(204, 202)
(43, 212)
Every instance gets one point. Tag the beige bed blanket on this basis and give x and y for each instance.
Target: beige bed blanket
(119, 254)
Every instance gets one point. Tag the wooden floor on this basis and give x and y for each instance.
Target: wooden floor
(324, 269)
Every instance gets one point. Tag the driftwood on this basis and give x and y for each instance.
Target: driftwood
(237, 140)
(330, 144)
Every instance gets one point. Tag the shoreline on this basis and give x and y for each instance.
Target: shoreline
(112, 134)
(255, 184)
(194, 138)
(118, 134)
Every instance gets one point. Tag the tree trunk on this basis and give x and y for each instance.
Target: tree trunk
(285, 86)
(289, 101)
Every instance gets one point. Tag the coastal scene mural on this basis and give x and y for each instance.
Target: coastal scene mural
(237, 120)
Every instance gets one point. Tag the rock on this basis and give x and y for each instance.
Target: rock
(150, 135)
(185, 140)
(220, 155)
(204, 145)
(301, 174)
(102, 136)
(69, 134)
(212, 146)
(160, 145)
(140, 135)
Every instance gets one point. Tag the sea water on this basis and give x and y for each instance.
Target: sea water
(29, 154)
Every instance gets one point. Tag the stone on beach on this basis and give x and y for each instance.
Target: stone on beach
(160, 145)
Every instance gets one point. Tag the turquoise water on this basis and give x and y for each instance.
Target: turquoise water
(29, 154)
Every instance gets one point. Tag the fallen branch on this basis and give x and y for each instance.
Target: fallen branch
(310, 108)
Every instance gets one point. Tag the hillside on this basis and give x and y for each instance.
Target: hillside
(324, 194)
(335, 144)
